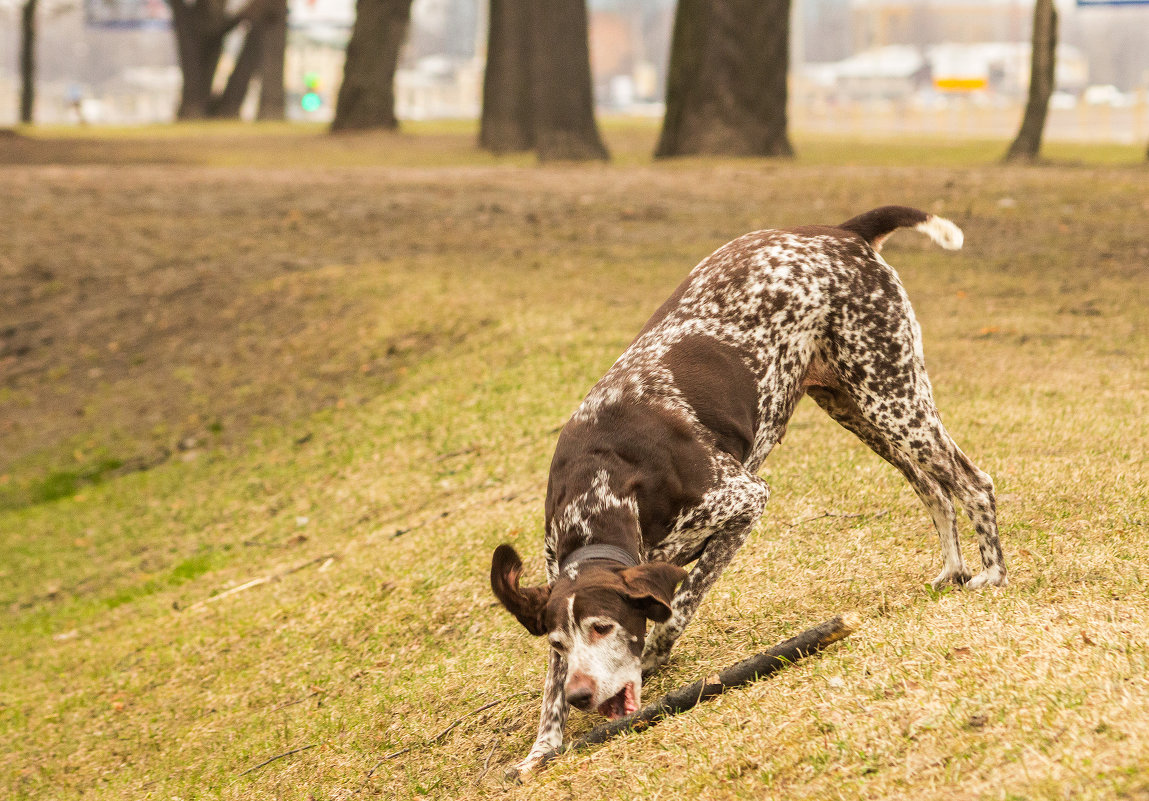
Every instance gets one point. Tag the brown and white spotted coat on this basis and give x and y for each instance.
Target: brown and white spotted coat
(660, 460)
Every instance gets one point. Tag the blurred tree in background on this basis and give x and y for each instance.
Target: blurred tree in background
(537, 92)
(27, 60)
(367, 95)
(200, 27)
(1043, 64)
(726, 90)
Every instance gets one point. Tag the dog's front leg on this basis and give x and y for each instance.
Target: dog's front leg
(552, 718)
(719, 550)
(731, 510)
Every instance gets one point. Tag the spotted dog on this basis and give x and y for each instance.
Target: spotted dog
(657, 468)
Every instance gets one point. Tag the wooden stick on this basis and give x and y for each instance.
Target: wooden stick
(756, 667)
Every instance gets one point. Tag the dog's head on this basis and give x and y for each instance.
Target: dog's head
(596, 620)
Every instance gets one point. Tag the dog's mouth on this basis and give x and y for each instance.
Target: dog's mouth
(621, 704)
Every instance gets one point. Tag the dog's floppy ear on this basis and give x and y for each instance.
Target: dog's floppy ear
(650, 587)
(525, 604)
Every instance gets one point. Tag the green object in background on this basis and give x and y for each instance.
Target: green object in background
(311, 101)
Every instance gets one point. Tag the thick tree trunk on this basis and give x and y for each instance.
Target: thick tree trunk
(1027, 145)
(537, 91)
(562, 96)
(199, 29)
(507, 124)
(28, 61)
(272, 103)
(367, 97)
(726, 90)
(198, 64)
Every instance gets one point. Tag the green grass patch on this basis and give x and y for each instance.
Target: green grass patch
(58, 484)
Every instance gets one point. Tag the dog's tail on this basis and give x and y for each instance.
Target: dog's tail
(877, 225)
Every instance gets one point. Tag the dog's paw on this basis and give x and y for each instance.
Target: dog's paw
(991, 577)
(523, 771)
(652, 661)
(959, 578)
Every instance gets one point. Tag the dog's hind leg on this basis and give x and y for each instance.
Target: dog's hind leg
(726, 515)
(879, 362)
(845, 412)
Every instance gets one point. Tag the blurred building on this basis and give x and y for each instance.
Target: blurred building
(823, 31)
(880, 23)
(630, 51)
(991, 69)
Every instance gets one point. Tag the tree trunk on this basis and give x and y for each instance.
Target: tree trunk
(272, 103)
(562, 96)
(537, 91)
(27, 61)
(199, 36)
(200, 27)
(507, 124)
(1027, 145)
(367, 97)
(227, 106)
(726, 90)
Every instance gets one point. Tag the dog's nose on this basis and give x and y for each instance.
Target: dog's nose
(580, 691)
(580, 698)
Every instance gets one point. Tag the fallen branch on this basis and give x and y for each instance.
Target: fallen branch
(279, 756)
(756, 667)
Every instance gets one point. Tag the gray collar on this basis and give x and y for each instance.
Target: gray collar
(612, 552)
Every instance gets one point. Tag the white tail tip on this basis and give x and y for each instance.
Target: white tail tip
(942, 231)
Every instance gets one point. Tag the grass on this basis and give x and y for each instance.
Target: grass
(451, 143)
(347, 382)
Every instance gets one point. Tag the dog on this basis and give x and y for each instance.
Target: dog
(657, 468)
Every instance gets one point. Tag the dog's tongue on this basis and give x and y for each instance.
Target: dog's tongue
(619, 705)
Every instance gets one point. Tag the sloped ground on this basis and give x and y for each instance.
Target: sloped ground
(260, 429)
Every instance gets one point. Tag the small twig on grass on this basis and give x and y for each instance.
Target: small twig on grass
(486, 764)
(298, 700)
(748, 670)
(837, 516)
(451, 728)
(279, 756)
(434, 739)
(255, 582)
(399, 532)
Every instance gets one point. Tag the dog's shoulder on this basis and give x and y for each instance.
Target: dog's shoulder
(628, 448)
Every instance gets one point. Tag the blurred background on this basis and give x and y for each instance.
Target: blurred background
(899, 66)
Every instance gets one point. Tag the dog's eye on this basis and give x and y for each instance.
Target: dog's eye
(603, 629)
(558, 646)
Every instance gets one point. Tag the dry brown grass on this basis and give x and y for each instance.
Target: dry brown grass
(485, 300)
